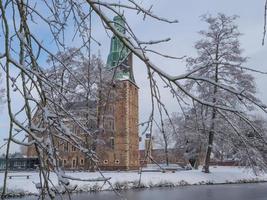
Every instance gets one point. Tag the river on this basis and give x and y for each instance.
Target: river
(257, 191)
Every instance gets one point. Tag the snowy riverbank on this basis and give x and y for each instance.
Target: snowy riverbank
(128, 180)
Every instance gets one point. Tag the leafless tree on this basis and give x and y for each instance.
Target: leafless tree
(92, 101)
(21, 60)
(164, 137)
(221, 62)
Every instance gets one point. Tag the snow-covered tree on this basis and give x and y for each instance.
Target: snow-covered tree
(164, 137)
(184, 134)
(218, 70)
(189, 136)
(22, 54)
(87, 84)
(248, 148)
(82, 80)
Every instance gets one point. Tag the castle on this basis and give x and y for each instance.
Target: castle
(120, 147)
(123, 151)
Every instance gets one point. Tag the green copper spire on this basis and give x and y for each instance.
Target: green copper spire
(120, 56)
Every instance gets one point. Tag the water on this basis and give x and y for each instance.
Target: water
(206, 192)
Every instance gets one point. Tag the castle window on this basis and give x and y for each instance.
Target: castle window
(111, 124)
(64, 162)
(73, 148)
(58, 145)
(117, 161)
(66, 146)
(60, 163)
(112, 142)
(73, 163)
(111, 111)
(81, 161)
(105, 161)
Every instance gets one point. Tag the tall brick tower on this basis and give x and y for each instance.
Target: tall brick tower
(124, 154)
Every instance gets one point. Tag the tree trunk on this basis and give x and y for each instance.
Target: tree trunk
(210, 143)
(166, 148)
(166, 156)
(212, 127)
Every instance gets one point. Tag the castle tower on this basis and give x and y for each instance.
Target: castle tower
(124, 154)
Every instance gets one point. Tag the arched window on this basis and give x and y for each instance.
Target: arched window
(82, 161)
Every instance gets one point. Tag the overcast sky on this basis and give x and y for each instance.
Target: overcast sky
(183, 35)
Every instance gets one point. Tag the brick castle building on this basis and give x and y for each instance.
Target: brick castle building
(119, 149)
(124, 151)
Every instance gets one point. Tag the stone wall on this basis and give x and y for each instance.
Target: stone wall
(124, 154)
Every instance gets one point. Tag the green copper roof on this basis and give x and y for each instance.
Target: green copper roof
(118, 53)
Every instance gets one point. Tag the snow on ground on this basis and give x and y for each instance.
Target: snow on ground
(126, 180)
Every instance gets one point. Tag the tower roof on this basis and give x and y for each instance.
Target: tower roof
(119, 57)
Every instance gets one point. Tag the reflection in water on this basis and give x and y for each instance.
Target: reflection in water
(208, 192)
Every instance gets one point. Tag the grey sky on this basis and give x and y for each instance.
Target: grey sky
(183, 35)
